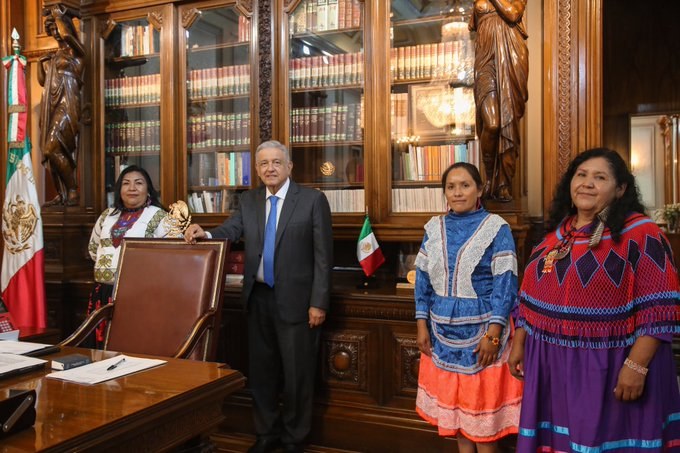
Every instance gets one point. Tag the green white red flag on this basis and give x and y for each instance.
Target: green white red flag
(368, 250)
(23, 266)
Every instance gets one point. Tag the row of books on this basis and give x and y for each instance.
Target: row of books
(122, 161)
(427, 163)
(213, 201)
(327, 70)
(215, 130)
(220, 169)
(132, 136)
(322, 15)
(324, 124)
(347, 200)
(137, 40)
(132, 90)
(399, 115)
(418, 199)
(243, 29)
(222, 81)
(453, 60)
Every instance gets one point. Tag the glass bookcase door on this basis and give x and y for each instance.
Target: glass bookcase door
(326, 87)
(431, 97)
(132, 101)
(218, 122)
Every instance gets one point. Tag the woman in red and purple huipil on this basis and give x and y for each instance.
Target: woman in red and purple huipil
(598, 308)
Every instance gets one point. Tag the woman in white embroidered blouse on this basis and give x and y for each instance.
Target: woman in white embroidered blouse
(466, 284)
(136, 212)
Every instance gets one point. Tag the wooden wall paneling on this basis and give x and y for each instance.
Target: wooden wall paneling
(401, 348)
(68, 267)
(344, 360)
(573, 89)
(639, 59)
(165, 19)
(37, 38)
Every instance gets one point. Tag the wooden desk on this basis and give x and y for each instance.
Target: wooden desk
(153, 410)
(40, 335)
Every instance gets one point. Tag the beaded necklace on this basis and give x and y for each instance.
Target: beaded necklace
(561, 249)
(127, 219)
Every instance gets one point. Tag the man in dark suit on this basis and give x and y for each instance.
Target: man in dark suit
(284, 309)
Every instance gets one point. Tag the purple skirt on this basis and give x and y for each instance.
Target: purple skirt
(569, 404)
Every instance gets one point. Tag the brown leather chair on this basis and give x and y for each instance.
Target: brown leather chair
(166, 301)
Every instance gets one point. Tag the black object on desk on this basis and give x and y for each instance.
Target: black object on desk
(17, 412)
(44, 351)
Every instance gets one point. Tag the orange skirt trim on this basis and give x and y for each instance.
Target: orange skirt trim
(484, 406)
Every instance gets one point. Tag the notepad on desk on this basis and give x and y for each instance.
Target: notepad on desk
(12, 364)
(26, 348)
(104, 370)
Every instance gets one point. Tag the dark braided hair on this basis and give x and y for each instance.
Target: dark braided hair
(562, 205)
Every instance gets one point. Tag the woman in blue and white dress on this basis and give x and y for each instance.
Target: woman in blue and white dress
(466, 285)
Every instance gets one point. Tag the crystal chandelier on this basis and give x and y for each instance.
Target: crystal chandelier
(450, 101)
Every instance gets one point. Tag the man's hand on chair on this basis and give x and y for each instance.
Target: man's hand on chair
(194, 232)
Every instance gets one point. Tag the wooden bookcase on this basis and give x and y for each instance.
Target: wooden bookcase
(188, 89)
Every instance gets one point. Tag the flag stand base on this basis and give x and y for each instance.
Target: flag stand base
(369, 282)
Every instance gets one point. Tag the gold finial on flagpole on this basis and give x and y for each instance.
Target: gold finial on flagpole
(15, 41)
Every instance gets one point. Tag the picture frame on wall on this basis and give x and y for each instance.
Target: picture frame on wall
(426, 118)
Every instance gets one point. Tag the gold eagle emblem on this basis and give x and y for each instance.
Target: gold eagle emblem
(178, 218)
(366, 247)
(327, 168)
(19, 220)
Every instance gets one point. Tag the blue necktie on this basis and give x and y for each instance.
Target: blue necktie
(269, 242)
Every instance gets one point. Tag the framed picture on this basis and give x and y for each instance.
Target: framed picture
(428, 115)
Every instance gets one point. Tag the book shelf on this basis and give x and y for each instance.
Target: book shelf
(132, 99)
(326, 88)
(432, 115)
(218, 102)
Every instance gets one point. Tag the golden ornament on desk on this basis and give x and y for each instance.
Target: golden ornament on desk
(179, 217)
(411, 277)
(327, 168)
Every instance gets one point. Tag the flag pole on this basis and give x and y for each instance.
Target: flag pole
(22, 275)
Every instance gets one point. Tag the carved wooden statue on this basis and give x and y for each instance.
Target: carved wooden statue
(60, 73)
(501, 71)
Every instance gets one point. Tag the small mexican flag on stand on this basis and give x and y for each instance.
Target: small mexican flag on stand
(368, 250)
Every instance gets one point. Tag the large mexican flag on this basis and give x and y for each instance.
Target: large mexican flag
(23, 268)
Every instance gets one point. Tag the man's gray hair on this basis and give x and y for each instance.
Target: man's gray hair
(274, 144)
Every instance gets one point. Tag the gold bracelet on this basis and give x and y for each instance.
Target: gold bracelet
(636, 367)
(495, 340)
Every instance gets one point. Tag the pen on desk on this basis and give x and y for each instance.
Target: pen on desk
(115, 365)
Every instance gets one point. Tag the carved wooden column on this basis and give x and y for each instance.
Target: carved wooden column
(266, 77)
(572, 71)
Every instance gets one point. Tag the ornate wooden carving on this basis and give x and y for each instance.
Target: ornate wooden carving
(565, 94)
(245, 6)
(264, 46)
(189, 16)
(407, 358)
(344, 359)
(155, 18)
(290, 5)
(367, 311)
(60, 73)
(572, 92)
(108, 26)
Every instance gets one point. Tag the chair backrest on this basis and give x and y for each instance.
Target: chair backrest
(163, 287)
